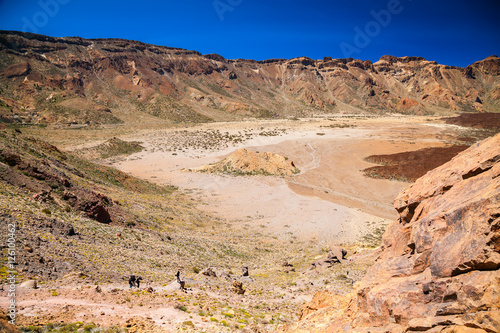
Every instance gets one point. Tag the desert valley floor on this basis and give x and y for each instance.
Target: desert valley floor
(330, 200)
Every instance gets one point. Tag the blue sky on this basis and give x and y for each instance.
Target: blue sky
(449, 32)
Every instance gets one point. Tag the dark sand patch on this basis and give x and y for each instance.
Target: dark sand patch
(411, 165)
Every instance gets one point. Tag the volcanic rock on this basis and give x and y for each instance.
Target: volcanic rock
(5, 325)
(337, 254)
(209, 271)
(19, 69)
(238, 287)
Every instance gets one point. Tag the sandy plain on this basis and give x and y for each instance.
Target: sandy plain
(330, 200)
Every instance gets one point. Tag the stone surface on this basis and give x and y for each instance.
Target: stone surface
(5, 326)
(30, 284)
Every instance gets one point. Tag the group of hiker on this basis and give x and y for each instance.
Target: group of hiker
(135, 281)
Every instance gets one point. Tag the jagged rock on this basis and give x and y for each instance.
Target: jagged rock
(438, 269)
(238, 287)
(93, 204)
(288, 267)
(336, 254)
(209, 271)
(245, 271)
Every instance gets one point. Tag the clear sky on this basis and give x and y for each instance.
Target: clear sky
(449, 32)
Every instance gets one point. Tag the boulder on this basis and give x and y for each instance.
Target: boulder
(238, 287)
(336, 254)
(209, 271)
(29, 284)
(288, 267)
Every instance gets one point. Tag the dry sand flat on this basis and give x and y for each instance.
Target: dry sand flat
(330, 199)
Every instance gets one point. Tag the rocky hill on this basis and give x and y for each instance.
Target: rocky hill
(247, 162)
(438, 269)
(109, 81)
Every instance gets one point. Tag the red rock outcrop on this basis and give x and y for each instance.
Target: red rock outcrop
(438, 269)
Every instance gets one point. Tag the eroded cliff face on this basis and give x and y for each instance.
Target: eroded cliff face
(438, 269)
(74, 80)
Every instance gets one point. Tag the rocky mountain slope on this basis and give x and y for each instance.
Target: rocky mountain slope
(438, 270)
(109, 81)
(75, 216)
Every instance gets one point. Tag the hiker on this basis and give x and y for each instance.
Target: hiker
(138, 281)
(181, 283)
(131, 281)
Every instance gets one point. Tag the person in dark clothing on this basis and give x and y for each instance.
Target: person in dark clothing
(131, 281)
(138, 281)
(181, 283)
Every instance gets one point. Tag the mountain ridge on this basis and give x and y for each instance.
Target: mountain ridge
(109, 81)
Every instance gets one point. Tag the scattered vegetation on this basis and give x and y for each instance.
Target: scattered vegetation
(111, 148)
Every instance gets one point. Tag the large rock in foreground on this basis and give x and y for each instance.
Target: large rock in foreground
(438, 270)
